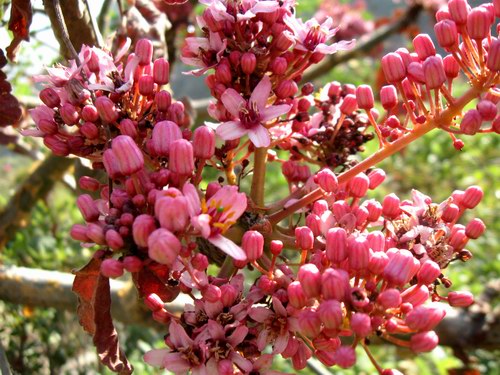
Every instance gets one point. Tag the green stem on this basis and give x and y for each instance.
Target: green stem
(259, 176)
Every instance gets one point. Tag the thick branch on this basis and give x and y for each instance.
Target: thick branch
(464, 329)
(364, 45)
(35, 187)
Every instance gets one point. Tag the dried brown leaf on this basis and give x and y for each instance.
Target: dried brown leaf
(20, 20)
(10, 110)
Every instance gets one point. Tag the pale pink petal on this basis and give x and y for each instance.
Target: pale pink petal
(238, 336)
(262, 339)
(261, 93)
(216, 330)
(155, 357)
(233, 102)
(241, 362)
(192, 61)
(176, 363)
(260, 313)
(259, 136)
(231, 130)
(263, 362)
(178, 336)
(278, 307)
(202, 223)
(280, 343)
(32, 133)
(193, 199)
(274, 111)
(213, 309)
(228, 246)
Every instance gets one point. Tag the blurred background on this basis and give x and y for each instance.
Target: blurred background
(47, 340)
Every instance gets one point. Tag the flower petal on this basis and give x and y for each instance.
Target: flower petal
(274, 111)
(178, 336)
(155, 357)
(259, 136)
(228, 246)
(261, 93)
(231, 130)
(233, 102)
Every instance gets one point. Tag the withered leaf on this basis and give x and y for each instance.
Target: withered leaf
(10, 110)
(155, 280)
(19, 23)
(94, 312)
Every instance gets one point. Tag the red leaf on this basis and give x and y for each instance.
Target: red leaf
(10, 110)
(94, 313)
(154, 280)
(19, 23)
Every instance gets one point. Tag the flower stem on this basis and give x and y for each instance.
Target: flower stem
(259, 176)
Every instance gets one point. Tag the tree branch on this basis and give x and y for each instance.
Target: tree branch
(364, 45)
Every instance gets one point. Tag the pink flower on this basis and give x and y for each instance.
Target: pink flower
(214, 217)
(203, 53)
(251, 115)
(312, 37)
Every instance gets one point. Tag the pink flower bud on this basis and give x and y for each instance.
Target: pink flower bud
(309, 323)
(361, 324)
(391, 206)
(472, 196)
(378, 262)
(87, 207)
(416, 72)
(376, 241)
(345, 356)
(204, 142)
(181, 157)
(364, 97)
(401, 268)
(424, 47)
(212, 293)
(163, 99)
(253, 245)
(424, 342)
(223, 72)
(393, 67)
(69, 114)
(389, 299)
(376, 177)
(172, 213)
(106, 109)
(279, 65)
(460, 299)
(286, 89)
(114, 239)
(446, 33)
(493, 61)
(89, 113)
(415, 295)
(336, 250)
(325, 357)
(96, 234)
(283, 42)
(128, 127)
(89, 183)
(49, 97)
(229, 295)
(299, 359)
(359, 253)
(374, 210)
(331, 314)
(296, 295)
(459, 10)
(310, 279)
(434, 72)
(358, 186)
(334, 284)
(487, 109)
(161, 71)
(144, 50)
(443, 14)
(388, 97)
(327, 180)
(164, 134)
(451, 67)
(458, 239)
(349, 104)
(313, 222)
(164, 247)
(111, 268)
(146, 85)
(153, 302)
(304, 238)
(161, 316)
(471, 122)
(425, 318)
(127, 155)
(79, 233)
(450, 213)
(132, 263)
(475, 229)
(248, 62)
(478, 23)
(428, 272)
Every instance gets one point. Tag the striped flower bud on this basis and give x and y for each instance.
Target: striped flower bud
(114, 239)
(296, 295)
(144, 51)
(127, 154)
(79, 233)
(401, 268)
(334, 284)
(286, 89)
(478, 23)
(345, 357)
(304, 238)
(161, 71)
(471, 197)
(364, 97)
(459, 10)
(426, 317)
(69, 114)
(493, 61)
(172, 213)
(434, 72)
(336, 245)
(391, 206)
(358, 253)
(326, 180)
(389, 298)
(163, 246)
(424, 47)
(310, 279)
(146, 85)
(132, 264)
(248, 62)
(424, 342)
(446, 33)
(376, 177)
(49, 97)
(163, 99)
(252, 244)
(279, 65)
(428, 272)
(349, 104)
(358, 186)
(203, 142)
(164, 134)
(181, 159)
(106, 109)
(309, 323)
(87, 207)
(475, 228)
(451, 67)
(361, 324)
(111, 268)
(460, 299)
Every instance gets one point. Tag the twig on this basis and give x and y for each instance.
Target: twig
(364, 46)
(64, 31)
(95, 27)
(101, 19)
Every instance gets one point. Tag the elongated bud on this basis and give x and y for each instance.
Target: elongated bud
(336, 247)
(487, 109)
(331, 314)
(146, 85)
(450, 213)
(349, 104)
(460, 299)
(401, 268)
(446, 33)
(111, 268)
(416, 72)
(361, 324)
(161, 71)
(359, 253)
(181, 157)
(310, 279)
(327, 180)
(434, 72)
(153, 302)
(163, 99)
(364, 97)
(132, 263)
(389, 298)
(89, 183)
(279, 65)
(79, 233)
(377, 263)
(388, 97)
(472, 196)
(459, 10)
(127, 154)
(376, 177)
(69, 114)
(296, 295)
(248, 62)
(493, 61)
(144, 50)
(286, 89)
(87, 207)
(253, 245)
(428, 272)
(164, 247)
(172, 213)
(345, 357)
(359, 184)
(164, 134)
(424, 342)
(425, 318)
(204, 142)
(471, 122)
(334, 284)
(114, 239)
(424, 47)
(128, 127)
(415, 295)
(451, 67)
(89, 113)
(49, 97)
(212, 293)
(106, 109)
(475, 229)
(478, 23)
(391, 206)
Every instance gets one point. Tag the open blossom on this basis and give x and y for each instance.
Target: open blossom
(250, 116)
(203, 53)
(312, 36)
(217, 215)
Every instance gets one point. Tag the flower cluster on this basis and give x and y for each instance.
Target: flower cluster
(349, 267)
